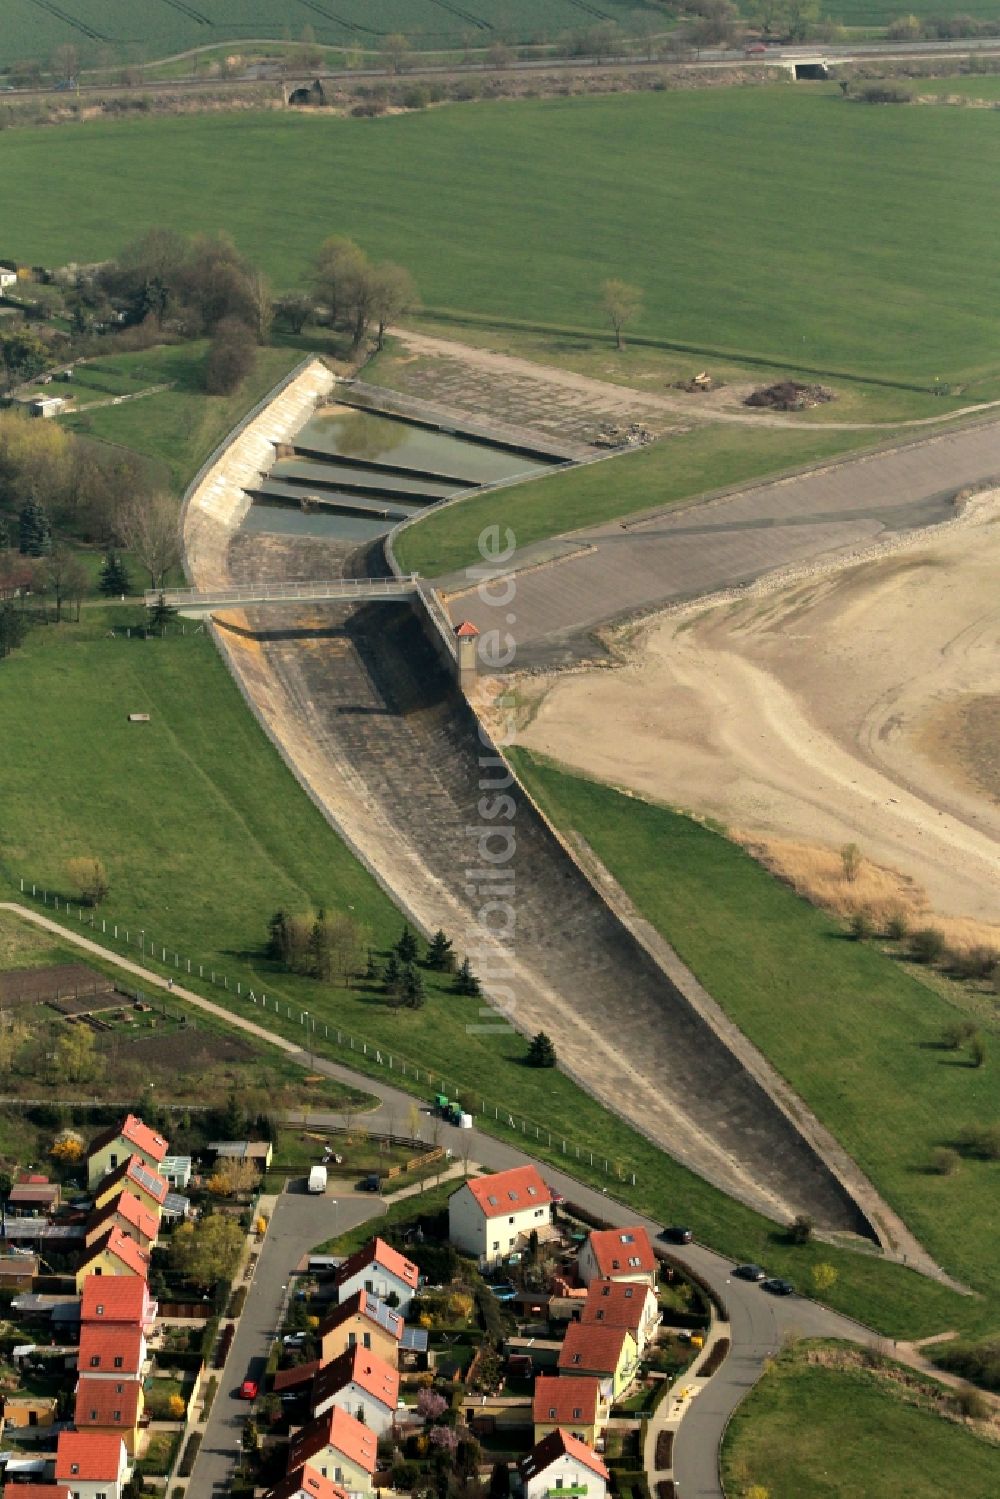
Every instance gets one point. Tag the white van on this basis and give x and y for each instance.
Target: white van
(317, 1179)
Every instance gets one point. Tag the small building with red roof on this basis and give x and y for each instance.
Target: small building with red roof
(364, 1322)
(93, 1463)
(116, 1145)
(40, 1491)
(115, 1353)
(573, 1402)
(130, 1214)
(306, 1483)
(618, 1254)
(337, 1447)
(117, 1301)
(113, 1406)
(560, 1462)
(382, 1271)
(490, 1215)
(362, 1384)
(620, 1303)
(609, 1353)
(114, 1253)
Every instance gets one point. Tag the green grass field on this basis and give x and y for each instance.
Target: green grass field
(851, 1434)
(854, 1034)
(774, 222)
(205, 834)
(674, 469)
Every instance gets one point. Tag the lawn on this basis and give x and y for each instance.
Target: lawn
(837, 1433)
(776, 222)
(673, 469)
(397, 1215)
(854, 1034)
(178, 428)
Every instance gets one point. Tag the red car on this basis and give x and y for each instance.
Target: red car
(249, 1389)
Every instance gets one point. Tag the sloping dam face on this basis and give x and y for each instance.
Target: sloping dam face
(387, 743)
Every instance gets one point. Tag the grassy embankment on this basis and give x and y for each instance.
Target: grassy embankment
(205, 834)
(856, 1433)
(854, 1034)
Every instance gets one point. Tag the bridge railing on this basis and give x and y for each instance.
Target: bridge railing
(274, 592)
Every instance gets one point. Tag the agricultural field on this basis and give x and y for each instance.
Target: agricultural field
(155, 28)
(779, 224)
(853, 1433)
(855, 1035)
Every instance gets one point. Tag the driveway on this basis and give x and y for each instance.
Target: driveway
(299, 1222)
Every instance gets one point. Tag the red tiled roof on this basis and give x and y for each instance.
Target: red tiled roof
(306, 1480)
(615, 1303)
(290, 1379)
(361, 1367)
(135, 1174)
(510, 1191)
(106, 1402)
(124, 1249)
(90, 1455)
(466, 630)
(378, 1252)
(107, 1345)
(615, 1250)
(363, 1303)
(135, 1133)
(340, 1431)
(113, 1298)
(564, 1399)
(129, 1207)
(31, 1179)
(559, 1444)
(39, 1491)
(591, 1349)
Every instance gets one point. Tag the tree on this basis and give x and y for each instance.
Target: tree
(23, 354)
(74, 1060)
(499, 55)
(208, 1252)
(413, 1120)
(162, 613)
(499, 1480)
(406, 947)
(927, 945)
(945, 1161)
(68, 1147)
(4, 534)
(13, 628)
(862, 925)
(824, 1277)
(339, 262)
(13, 1035)
(956, 1033)
(622, 303)
(231, 357)
(295, 310)
(34, 530)
(440, 957)
(392, 976)
(114, 578)
(65, 577)
(392, 293)
(66, 62)
(396, 51)
(176, 1407)
(465, 981)
(541, 1051)
(977, 1051)
(233, 1177)
(414, 994)
(850, 861)
(801, 1229)
(149, 527)
(89, 878)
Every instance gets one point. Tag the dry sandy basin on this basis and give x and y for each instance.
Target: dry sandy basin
(859, 703)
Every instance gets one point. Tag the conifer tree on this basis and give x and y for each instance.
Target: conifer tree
(439, 954)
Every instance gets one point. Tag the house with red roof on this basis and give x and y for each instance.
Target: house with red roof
(489, 1216)
(135, 1176)
(362, 1384)
(112, 1406)
(113, 1353)
(114, 1253)
(130, 1214)
(93, 1464)
(364, 1322)
(338, 1447)
(116, 1145)
(382, 1271)
(40, 1491)
(560, 1462)
(609, 1353)
(117, 1301)
(618, 1254)
(621, 1303)
(306, 1483)
(572, 1401)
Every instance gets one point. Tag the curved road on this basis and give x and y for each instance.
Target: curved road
(758, 1321)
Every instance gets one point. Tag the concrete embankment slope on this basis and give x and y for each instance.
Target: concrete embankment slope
(373, 728)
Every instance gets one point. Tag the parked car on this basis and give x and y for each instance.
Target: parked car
(779, 1287)
(249, 1389)
(750, 1272)
(557, 1198)
(372, 1182)
(676, 1234)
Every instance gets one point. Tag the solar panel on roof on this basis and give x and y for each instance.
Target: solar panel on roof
(145, 1178)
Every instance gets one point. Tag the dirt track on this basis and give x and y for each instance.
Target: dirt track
(856, 706)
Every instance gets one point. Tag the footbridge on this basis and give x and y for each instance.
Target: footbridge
(338, 590)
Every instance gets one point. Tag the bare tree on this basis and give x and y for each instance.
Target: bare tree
(621, 303)
(392, 294)
(64, 576)
(338, 263)
(149, 527)
(396, 51)
(66, 62)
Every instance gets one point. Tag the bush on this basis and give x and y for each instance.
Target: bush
(897, 927)
(944, 1161)
(862, 926)
(231, 357)
(926, 945)
(190, 1453)
(979, 1362)
(237, 1301)
(956, 1033)
(800, 1231)
(974, 1405)
(977, 1051)
(883, 92)
(983, 1140)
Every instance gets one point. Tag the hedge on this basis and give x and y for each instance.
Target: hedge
(190, 1454)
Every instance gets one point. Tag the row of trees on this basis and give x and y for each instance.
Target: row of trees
(356, 294)
(326, 945)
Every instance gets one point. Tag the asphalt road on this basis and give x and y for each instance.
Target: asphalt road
(298, 1223)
